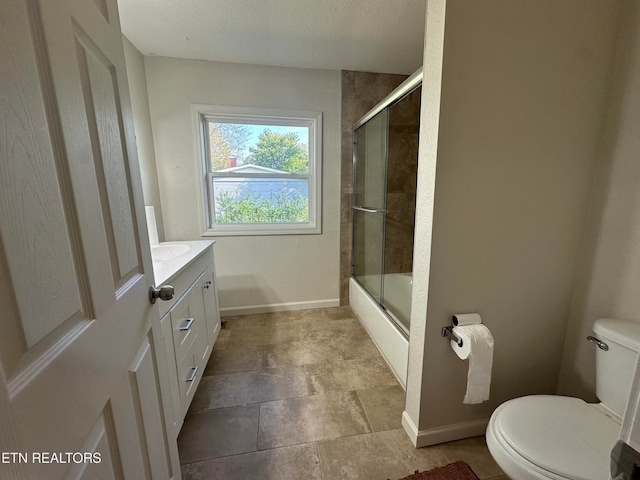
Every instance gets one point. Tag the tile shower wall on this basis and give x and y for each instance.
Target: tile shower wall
(361, 91)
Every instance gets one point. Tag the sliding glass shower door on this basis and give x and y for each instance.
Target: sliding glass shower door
(369, 203)
(384, 204)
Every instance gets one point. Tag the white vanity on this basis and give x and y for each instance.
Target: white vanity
(190, 321)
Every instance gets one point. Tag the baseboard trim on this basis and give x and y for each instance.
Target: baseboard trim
(278, 307)
(410, 428)
(444, 433)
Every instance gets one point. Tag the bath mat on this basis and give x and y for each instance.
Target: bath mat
(453, 471)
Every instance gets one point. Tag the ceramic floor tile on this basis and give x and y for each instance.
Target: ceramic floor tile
(381, 455)
(323, 378)
(269, 335)
(234, 360)
(339, 327)
(356, 346)
(314, 319)
(218, 391)
(287, 463)
(339, 313)
(328, 330)
(369, 372)
(246, 321)
(218, 433)
(222, 339)
(293, 317)
(348, 375)
(336, 354)
(305, 419)
(474, 451)
(316, 313)
(300, 353)
(383, 407)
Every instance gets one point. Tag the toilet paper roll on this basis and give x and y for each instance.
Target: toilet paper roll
(462, 319)
(477, 346)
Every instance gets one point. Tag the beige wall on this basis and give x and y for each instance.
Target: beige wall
(289, 270)
(608, 279)
(144, 136)
(523, 97)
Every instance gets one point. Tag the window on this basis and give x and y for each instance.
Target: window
(261, 170)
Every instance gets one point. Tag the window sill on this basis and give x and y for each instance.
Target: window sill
(234, 231)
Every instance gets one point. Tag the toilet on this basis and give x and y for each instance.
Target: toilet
(554, 437)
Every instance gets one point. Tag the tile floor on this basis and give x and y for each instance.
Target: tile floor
(306, 394)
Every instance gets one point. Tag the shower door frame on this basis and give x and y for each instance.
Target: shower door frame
(369, 210)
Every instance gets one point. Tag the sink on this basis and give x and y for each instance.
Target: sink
(167, 251)
(169, 258)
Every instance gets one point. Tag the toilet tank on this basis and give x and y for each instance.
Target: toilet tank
(615, 367)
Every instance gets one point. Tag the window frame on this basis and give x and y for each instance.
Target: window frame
(202, 114)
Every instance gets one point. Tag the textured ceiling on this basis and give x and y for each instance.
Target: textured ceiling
(366, 35)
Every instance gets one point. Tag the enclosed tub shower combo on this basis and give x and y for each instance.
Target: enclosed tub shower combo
(385, 164)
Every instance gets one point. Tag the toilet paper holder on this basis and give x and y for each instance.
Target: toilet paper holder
(448, 332)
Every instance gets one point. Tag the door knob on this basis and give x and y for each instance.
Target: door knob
(163, 292)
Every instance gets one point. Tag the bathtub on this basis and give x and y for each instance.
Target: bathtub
(391, 340)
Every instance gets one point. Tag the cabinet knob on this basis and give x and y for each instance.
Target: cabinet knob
(207, 284)
(163, 292)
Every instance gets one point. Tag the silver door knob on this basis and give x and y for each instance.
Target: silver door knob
(163, 292)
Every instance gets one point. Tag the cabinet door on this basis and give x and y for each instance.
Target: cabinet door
(196, 307)
(211, 308)
(177, 418)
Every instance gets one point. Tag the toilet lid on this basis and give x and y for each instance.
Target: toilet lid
(562, 435)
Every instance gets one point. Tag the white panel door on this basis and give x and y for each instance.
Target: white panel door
(82, 385)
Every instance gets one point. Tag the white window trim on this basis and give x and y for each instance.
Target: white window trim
(264, 116)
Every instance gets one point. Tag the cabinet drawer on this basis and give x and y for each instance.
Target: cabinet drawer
(185, 329)
(189, 374)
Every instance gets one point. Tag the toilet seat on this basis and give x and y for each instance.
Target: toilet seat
(552, 437)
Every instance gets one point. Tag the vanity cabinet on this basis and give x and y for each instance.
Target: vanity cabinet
(190, 324)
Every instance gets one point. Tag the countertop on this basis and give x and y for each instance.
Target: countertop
(165, 270)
